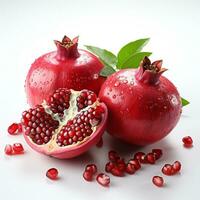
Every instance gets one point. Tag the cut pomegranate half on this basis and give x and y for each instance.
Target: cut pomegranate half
(66, 125)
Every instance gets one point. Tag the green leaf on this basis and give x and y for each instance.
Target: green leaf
(105, 56)
(130, 49)
(134, 60)
(107, 71)
(184, 102)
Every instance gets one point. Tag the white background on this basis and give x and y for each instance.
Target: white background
(28, 29)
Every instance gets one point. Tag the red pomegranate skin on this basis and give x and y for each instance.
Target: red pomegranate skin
(143, 106)
(68, 67)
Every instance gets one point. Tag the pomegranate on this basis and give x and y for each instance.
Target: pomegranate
(52, 173)
(66, 125)
(103, 179)
(187, 141)
(158, 181)
(143, 105)
(68, 67)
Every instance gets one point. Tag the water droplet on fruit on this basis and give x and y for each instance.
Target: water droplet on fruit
(95, 76)
(122, 92)
(132, 82)
(165, 107)
(110, 89)
(117, 83)
(125, 81)
(114, 96)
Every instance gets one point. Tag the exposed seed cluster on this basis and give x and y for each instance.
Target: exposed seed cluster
(59, 101)
(85, 99)
(39, 125)
(80, 127)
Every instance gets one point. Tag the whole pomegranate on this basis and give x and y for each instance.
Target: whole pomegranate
(68, 67)
(143, 105)
(66, 125)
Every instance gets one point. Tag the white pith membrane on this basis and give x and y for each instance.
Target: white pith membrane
(69, 114)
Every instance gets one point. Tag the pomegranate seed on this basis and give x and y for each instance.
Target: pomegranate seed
(143, 159)
(13, 129)
(117, 172)
(52, 173)
(113, 156)
(88, 175)
(121, 165)
(168, 170)
(138, 156)
(92, 168)
(136, 163)
(130, 168)
(187, 141)
(150, 158)
(176, 166)
(100, 143)
(8, 149)
(18, 148)
(157, 153)
(158, 181)
(19, 128)
(109, 166)
(103, 179)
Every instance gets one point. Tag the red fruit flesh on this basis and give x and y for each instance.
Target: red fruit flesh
(139, 155)
(18, 148)
(88, 175)
(13, 129)
(187, 141)
(136, 163)
(92, 168)
(8, 149)
(61, 128)
(168, 170)
(103, 179)
(130, 168)
(157, 153)
(68, 67)
(113, 156)
(109, 166)
(176, 166)
(158, 181)
(115, 171)
(143, 105)
(52, 173)
(150, 158)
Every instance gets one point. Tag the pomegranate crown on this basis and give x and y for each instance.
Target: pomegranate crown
(148, 72)
(67, 48)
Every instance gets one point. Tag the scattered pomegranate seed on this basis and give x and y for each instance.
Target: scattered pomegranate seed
(113, 156)
(139, 156)
(52, 173)
(18, 148)
(8, 149)
(187, 140)
(143, 159)
(88, 175)
(136, 163)
(157, 153)
(150, 158)
(176, 166)
(130, 168)
(109, 166)
(19, 128)
(103, 179)
(13, 129)
(168, 170)
(121, 165)
(117, 172)
(92, 168)
(100, 143)
(158, 181)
